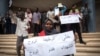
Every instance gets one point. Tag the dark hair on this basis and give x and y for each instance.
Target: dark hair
(22, 16)
(85, 5)
(74, 5)
(51, 8)
(48, 20)
(73, 10)
(36, 9)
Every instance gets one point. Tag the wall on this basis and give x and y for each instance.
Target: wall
(42, 4)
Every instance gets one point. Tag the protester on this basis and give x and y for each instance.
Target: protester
(68, 26)
(48, 28)
(36, 21)
(7, 23)
(13, 22)
(85, 12)
(51, 16)
(62, 8)
(28, 16)
(43, 16)
(76, 26)
(21, 32)
(1, 25)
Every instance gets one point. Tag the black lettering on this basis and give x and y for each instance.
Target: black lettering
(52, 49)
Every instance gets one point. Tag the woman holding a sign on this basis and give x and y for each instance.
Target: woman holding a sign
(48, 29)
(76, 26)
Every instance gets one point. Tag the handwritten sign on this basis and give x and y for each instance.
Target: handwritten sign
(69, 19)
(51, 45)
(57, 11)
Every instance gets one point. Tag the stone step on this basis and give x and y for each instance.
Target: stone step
(91, 36)
(6, 54)
(85, 39)
(77, 54)
(15, 37)
(11, 35)
(88, 49)
(8, 40)
(94, 38)
(7, 35)
(87, 54)
(8, 43)
(30, 35)
(7, 47)
(77, 46)
(13, 42)
(89, 39)
(93, 33)
(79, 49)
(89, 44)
(4, 37)
(9, 51)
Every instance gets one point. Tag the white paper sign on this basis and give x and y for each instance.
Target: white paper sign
(52, 45)
(69, 19)
(57, 11)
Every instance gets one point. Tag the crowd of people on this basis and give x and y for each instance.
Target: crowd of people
(36, 18)
(47, 22)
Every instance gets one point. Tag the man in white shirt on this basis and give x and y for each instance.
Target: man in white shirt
(21, 32)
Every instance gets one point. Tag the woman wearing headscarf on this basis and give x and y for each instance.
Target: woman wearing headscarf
(76, 26)
(48, 28)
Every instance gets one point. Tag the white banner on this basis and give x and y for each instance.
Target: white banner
(52, 45)
(69, 19)
(57, 11)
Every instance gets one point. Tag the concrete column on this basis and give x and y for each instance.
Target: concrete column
(4, 5)
(92, 24)
(84, 1)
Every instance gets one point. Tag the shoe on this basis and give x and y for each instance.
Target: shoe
(82, 42)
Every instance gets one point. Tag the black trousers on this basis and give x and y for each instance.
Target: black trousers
(76, 28)
(63, 28)
(1, 29)
(8, 28)
(36, 29)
